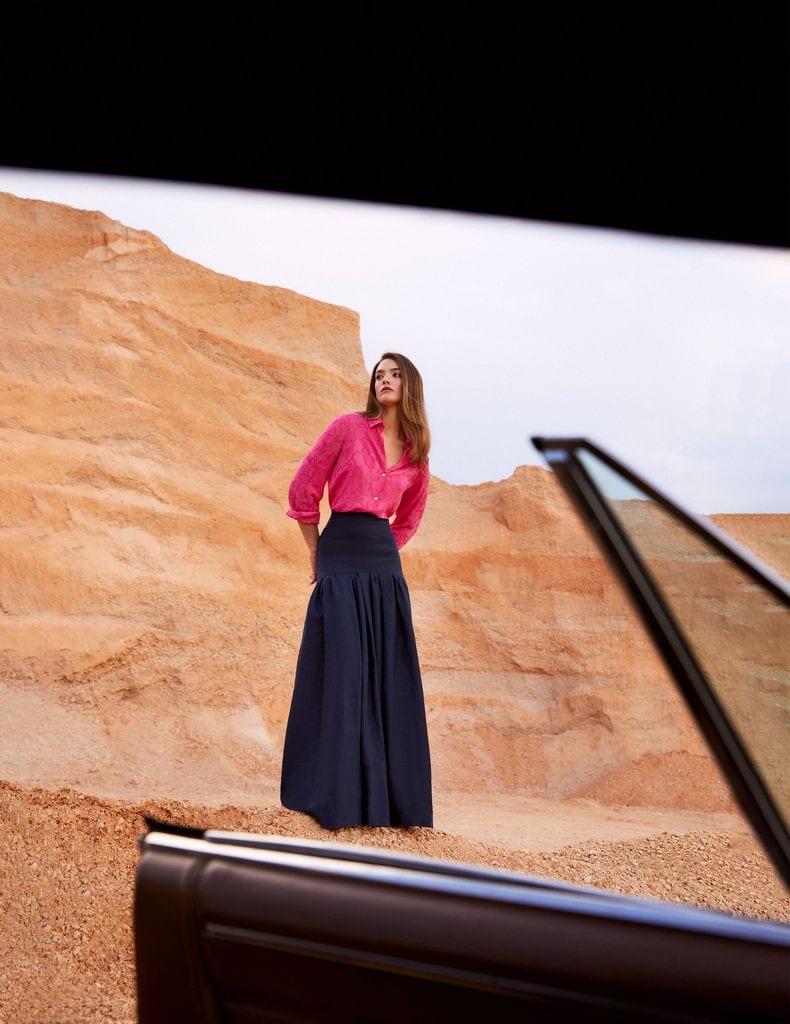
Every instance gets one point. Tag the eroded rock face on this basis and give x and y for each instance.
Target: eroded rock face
(152, 590)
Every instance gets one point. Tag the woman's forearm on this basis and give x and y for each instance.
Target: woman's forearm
(310, 534)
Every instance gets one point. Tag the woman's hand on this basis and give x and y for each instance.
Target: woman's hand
(310, 534)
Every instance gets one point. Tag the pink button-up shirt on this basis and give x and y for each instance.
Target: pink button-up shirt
(351, 458)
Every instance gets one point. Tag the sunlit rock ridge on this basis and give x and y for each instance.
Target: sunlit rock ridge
(152, 590)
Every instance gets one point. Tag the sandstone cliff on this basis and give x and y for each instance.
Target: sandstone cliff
(152, 591)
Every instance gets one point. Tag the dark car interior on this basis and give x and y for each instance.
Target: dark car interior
(668, 119)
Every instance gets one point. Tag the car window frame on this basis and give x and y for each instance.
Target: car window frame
(744, 777)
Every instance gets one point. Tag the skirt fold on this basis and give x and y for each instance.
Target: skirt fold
(356, 745)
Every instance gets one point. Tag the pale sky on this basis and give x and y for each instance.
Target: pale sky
(674, 355)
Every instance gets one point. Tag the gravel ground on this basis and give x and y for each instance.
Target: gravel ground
(67, 868)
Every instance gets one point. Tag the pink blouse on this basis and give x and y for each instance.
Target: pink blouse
(350, 456)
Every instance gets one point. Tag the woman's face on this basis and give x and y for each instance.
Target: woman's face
(389, 386)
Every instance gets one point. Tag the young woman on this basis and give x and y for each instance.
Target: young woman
(356, 744)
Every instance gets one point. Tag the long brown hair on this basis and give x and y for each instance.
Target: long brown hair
(413, 418)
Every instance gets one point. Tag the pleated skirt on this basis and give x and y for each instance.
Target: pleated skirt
(356, 744)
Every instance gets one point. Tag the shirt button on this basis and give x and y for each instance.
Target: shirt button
(383, 474)
(375, 499)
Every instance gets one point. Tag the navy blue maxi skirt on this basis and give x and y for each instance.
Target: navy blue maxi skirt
(356, 744)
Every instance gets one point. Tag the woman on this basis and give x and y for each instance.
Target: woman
(356, 745)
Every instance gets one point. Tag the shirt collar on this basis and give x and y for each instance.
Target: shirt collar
(378, 422)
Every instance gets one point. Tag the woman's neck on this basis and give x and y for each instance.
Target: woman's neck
(390, 417)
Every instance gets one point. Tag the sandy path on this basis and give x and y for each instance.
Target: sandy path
(519, 821)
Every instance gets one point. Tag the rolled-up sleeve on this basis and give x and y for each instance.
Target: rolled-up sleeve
(307, 486)
(410, 510)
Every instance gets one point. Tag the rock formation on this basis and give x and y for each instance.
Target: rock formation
(152, 591)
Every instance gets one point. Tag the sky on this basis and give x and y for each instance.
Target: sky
(672, 354)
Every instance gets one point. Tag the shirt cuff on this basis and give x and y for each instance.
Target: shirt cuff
(304, 517)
